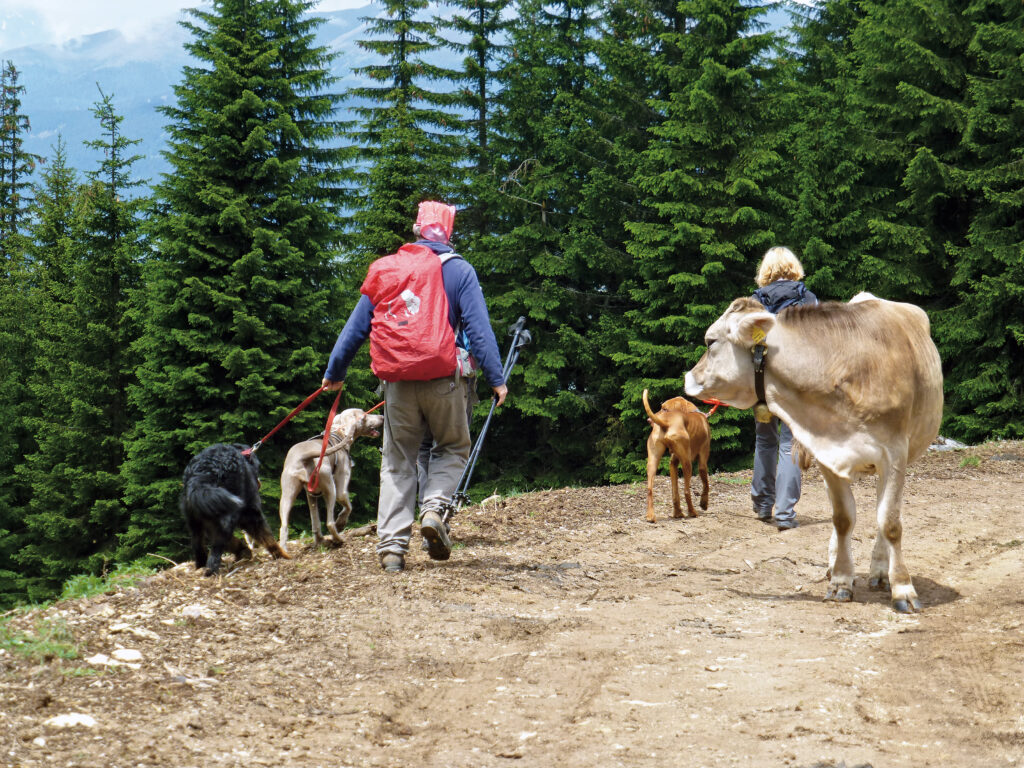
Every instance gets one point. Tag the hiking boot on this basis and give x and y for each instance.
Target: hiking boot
(392, 562)
(435, 534)
(786, 525)
(426, 544)
(764, 515)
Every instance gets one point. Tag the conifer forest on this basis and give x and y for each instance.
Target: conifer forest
(619, 169)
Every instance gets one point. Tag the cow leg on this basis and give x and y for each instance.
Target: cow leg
(655, 450)
(844, 516)
(890, 499)
(878, 575)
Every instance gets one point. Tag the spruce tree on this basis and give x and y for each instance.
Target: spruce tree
(827, 227)
(911, 68)
(477, 31)
(712, 178)
(565, 136)
(53, 250)
(16, 165)
(406, 131)
(981, 338)
(240, 307)
(84, 365)
(17, 316)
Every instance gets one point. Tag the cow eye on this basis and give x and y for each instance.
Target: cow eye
(709, 343)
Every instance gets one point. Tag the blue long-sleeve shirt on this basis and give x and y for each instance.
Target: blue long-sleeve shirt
(466, 307)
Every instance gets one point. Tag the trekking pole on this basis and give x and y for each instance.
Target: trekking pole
(520, 338)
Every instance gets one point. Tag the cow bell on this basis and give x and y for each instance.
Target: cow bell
(761, 413)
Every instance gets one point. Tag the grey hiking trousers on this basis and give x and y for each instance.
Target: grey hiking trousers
(776, 476)
(413, 407)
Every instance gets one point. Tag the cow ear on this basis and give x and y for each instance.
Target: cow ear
(752, 328)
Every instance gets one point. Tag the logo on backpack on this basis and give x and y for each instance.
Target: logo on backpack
(411, 338)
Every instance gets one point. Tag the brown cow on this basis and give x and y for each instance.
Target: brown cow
(860, 386)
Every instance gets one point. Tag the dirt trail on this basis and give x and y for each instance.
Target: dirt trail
(566, 631)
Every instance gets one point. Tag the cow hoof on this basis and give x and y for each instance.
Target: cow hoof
(913, 605)
(879, 584)
(839, 594)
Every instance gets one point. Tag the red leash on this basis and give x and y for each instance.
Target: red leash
(256, 446)
(714, 403)
(314, 481)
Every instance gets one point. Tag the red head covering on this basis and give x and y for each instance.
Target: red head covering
(436, 221)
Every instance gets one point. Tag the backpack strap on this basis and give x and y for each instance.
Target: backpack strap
(445, 256)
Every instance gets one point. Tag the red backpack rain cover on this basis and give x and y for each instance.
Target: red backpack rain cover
(410, 336)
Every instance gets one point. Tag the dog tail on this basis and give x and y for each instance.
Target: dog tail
(313, 451)
(653, 416)
(211, 500)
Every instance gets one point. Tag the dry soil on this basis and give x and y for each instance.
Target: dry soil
(564, 631)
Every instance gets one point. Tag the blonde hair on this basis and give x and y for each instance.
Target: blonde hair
(779, 264)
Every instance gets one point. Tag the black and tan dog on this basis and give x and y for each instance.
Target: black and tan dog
(221, 493)
(683, 430)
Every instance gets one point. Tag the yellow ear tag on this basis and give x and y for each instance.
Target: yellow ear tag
(757, 335)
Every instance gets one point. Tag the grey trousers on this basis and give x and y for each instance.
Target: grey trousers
(776, 476)
(427, 446)
(412, 408)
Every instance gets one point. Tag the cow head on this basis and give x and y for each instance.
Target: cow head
(726, 371)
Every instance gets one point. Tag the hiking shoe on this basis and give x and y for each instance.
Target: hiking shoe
(764, 516)
(392, 562)
(435, 534)
(426, 544)
(785, 525)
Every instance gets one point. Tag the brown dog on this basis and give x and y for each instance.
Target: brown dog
(683, 430)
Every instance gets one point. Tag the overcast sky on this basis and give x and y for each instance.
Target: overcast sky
(35, 22)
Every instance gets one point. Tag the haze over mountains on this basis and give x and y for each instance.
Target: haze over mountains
(139, 73)
(62, 81)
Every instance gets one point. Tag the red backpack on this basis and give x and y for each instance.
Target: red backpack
(410, 336)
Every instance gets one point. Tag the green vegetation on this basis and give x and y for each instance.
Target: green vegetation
(122, 577)
(48, 640)
(619, 168)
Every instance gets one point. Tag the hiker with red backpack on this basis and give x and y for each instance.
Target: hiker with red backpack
(414, 303)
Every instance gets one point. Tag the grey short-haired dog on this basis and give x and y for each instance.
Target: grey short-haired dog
(335, 472)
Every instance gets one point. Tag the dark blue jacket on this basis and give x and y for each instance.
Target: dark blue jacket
(466, 306)
(784, 293)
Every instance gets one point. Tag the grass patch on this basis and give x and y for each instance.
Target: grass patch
(50, 639)
(970, 461)
(734, 480)
(122, 577)
(81, 672)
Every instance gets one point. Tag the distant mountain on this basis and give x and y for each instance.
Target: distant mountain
(62, 85)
